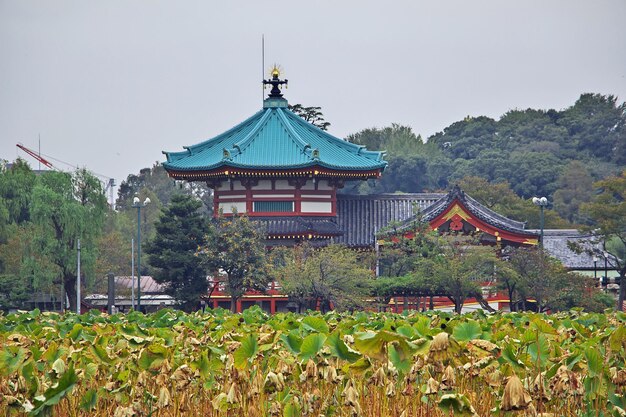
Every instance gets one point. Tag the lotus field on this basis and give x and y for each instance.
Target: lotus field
(362, 364)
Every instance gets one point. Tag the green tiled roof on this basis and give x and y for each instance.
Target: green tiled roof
(274, 138)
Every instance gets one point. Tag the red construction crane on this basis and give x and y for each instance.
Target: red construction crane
(37, 157)
(108, 184)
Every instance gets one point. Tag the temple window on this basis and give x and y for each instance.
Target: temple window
(273, 206)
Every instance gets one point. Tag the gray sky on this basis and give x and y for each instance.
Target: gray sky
(110, 84)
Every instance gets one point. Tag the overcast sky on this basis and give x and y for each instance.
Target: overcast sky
(110, 84)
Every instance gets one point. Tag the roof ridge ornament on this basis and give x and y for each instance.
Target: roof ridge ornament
(275, 82)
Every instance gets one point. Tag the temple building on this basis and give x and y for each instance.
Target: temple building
(278, 169)
(284, 172)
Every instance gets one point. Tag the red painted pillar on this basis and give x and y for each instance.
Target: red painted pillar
(272, 306)
(215, 304)
(239, 306)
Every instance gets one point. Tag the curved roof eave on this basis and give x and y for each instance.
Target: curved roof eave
(322, 164)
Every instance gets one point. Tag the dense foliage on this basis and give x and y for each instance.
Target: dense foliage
(179, 232)
(334, 276)
(44, 218)
(365, 364)
(234, 245)
(532, 150)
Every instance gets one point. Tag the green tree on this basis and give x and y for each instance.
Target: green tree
(161, 189)
(575, 188)
(500, 198)
(607, 213)
(312, 115)
(597, 126)
(459, 269)
(68, 207)
(179, 232)
(541, 278)
(329, 276)
(16, 185)
(235, 246)
(397, 140)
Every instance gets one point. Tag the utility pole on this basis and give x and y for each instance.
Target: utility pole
(78, 280)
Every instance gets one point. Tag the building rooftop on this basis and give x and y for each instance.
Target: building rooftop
(273, 139)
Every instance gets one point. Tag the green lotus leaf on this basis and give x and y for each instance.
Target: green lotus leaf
(315, 324)
(400, 358)
(152, 357)
(89, 400)
(54, 394)
(617, 339)
(464, 332)
(339, 349)
(292, 341)
(594, 361)
(539, 350)
(311, 345)
(246, 351)
(11, 359)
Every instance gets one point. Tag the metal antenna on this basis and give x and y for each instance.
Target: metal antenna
(262, 66)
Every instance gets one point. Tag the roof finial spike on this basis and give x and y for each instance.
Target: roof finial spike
(275, 82)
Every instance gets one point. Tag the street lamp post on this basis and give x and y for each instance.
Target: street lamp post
(138, 206)
(541, 202)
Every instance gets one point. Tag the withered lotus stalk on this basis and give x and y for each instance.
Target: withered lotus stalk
(538, 388)
(484, 344)
(276, 409)
(351, 397)
(272, 383)
(311, 369)
(164, 398)
(565, 383)
(408, 386)
(438, 350)
(378, 378)
(618, 377)
(494, 379)
(432, 386)
(233, 396)
(448, 381)
(515, 396)
(329, 374)
(440, 342)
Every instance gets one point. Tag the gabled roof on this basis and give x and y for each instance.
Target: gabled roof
(458, 205)
(361, 217)
(274, 139)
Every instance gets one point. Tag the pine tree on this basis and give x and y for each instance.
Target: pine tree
(180, 231)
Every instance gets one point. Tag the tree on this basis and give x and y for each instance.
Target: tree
(541, 278)
(597, 126)
(69, 207)
(312, 115)
(234, 245)
(16, 185)
(607, 213)
(575, 188)
(180, 230)
(500, 198)
(329, 276)
(162, 188)
(458, 269)
(397, 140)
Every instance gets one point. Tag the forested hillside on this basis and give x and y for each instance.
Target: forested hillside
(550, 153)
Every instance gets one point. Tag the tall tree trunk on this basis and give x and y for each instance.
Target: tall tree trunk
(233, 304)
(69, 280)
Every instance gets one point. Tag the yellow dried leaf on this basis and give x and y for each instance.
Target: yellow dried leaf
(515, 396)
